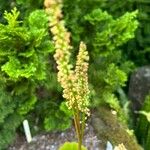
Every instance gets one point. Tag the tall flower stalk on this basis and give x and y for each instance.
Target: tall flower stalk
(73, 81)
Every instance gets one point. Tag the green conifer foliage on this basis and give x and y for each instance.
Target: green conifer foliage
(28, 6)
(138, 50)
(24, 51)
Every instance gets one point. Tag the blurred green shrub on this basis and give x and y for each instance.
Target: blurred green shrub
(138, 49)
(24, 62)
(58, 118)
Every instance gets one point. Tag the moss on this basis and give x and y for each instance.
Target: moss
(108, 128)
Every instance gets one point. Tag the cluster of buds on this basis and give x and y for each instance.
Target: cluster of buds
(74, 82)
(120, 147)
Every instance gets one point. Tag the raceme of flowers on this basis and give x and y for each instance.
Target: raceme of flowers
(74, 82)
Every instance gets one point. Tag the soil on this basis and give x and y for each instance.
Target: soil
(53, 140)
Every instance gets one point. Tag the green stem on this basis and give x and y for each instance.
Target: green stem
(82, 125)
(80, 137)
(78, 129)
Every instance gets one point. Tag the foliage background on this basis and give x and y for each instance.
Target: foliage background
(116, 42)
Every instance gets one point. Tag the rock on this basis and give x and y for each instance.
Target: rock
(109, 128)
(139, 86)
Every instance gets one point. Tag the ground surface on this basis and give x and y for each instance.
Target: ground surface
(52, 141)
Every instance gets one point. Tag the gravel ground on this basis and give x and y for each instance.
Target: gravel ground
(52, 141)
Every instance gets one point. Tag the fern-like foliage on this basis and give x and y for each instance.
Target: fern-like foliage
(58, 118)
(24, 52)
(108, 65)
(113, 33)
(137, 49)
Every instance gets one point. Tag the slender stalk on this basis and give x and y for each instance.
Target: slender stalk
(73, 81)
(80, 138)
(78, 129)
(82, 125)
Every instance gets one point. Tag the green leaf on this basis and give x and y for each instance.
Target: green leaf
(63, 107)
(28, 53)
(146, 114)
(27, 106)
(14, 69)
(38, 19)
(115, 76)
(71, 146)
(98, 16)
(12, 17)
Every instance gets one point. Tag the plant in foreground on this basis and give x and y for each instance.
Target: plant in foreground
(73, 81)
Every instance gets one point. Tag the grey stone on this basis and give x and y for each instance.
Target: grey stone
(139, 86)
